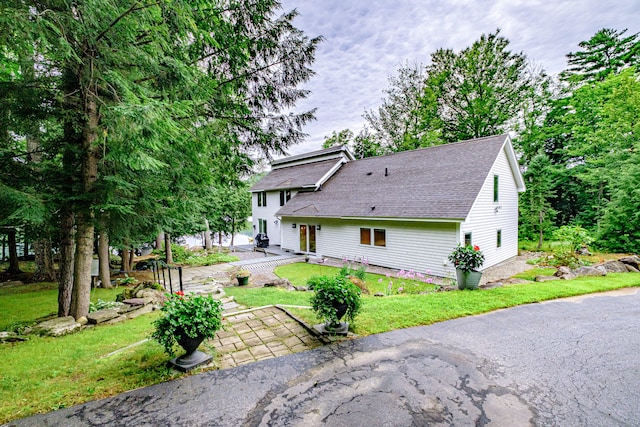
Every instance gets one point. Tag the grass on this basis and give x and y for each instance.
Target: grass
(51, 373)
(297, 274)
(24, 305)
(538, 271)
(403, 311)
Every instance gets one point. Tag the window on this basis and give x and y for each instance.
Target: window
(499, 238)
(379, 237)
(365, 236)
(495, 188)
(262, 226)
(262, 198)
(467, 239)
(285, 196)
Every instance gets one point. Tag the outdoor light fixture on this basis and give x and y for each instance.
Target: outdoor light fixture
(293, 225)
(318, 227)
(275, 222)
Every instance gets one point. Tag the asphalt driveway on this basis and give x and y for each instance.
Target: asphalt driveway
(572, 362)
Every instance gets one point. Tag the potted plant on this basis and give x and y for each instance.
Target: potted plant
(467, 260)
(333, 299)
(187, 321)
(243, 277)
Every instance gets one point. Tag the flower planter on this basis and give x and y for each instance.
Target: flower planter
(243, 280)
(468, 279)
(192, 358)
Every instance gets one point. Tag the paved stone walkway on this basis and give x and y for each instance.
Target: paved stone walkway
(259, 334)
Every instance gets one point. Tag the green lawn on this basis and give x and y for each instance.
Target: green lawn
(50, 373)
(23, 305)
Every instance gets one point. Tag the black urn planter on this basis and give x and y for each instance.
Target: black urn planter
(337, 328)
(192, 358)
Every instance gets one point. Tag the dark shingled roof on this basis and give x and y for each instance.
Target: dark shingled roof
(294, 176)
(439, 182)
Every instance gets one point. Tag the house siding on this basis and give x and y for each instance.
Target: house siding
(274, 230)
(420, 246)
(487, 216)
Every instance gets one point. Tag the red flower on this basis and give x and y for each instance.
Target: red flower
(476, 248)
(180, 293)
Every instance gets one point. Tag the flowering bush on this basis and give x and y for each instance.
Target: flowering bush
(467, 258)
(194, 316)
(357, 267)
(409, 282)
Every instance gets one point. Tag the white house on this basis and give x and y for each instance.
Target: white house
(289, 176)
(406, 210)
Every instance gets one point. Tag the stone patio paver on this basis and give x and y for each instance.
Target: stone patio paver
(260, 334)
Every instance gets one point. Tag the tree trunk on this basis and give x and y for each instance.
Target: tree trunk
(132, 257)
(66, 262)
(81, 294)
(45, 271)
(25, 248)
(159, 239)
(207, 235)
(124, 265)
(233, 234)
(14, 265)
(103, 255)
(167, 248)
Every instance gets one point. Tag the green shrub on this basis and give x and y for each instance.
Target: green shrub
(332, 291)
(193, 316)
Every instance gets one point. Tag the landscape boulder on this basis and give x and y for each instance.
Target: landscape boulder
(11, 337)
(632, 260)
(11, 283)
(589, 271)
(615, 267)
(102, 316)
(280, 283)
(57, 327)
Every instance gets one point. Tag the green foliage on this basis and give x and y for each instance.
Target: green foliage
(536, 212)
(329, 292)
(574, 236)
(344, 137)
(179, 253)
(102, 304)
(126, 280)
(608, 51)
(356, 267)
(467, 258)
(177, 96)
(478, 90)
(621, 222)
(193, 316)
(403, 121)
(198, 259)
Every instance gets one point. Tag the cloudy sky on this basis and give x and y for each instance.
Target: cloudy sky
(366, 41)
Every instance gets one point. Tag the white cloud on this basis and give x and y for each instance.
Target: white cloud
(367, 40)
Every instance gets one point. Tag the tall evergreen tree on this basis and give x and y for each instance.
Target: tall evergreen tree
(154, 87)
(608, 51)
